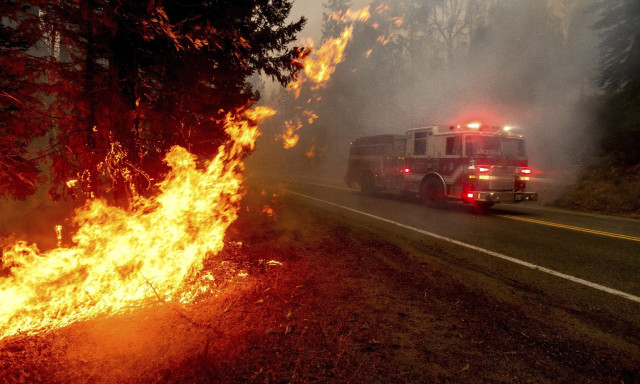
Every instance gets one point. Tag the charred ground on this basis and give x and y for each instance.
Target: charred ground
(350, 303)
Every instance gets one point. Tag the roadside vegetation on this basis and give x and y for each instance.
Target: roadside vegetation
(303, 295)
(607, 188)
(612, 185)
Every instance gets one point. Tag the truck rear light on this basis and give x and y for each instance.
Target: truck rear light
(406, 170)
(483, 169)
(525, 171)
(469, 195)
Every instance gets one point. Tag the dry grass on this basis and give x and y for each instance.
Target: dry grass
(607, 189)
(347, 305)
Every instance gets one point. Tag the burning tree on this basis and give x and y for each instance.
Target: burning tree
(135, 97)
(116, 84)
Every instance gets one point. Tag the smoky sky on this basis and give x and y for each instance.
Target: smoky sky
(526, 63)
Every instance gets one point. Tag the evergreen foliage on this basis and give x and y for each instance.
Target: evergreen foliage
(619, 77)
(117, 83)
(332, 27)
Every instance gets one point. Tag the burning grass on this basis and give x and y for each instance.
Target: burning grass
(300, 295)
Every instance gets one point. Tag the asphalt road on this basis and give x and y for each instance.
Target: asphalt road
(578, 255)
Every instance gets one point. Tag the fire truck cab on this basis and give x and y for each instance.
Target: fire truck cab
(472, 163)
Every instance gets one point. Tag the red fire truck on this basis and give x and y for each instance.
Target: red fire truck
(472, 163)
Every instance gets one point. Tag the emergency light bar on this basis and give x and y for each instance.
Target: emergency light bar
(476, 126)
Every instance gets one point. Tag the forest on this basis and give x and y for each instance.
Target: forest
(565, 73)
(94, 93)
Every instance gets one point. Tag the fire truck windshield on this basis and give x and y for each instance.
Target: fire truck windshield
(494, 147)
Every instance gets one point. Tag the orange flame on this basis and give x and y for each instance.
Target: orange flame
(361, 15)
(320, 65)
(311, 116)
(398, 21)
(290, 137)
(382, 39)
(382, 8)
(59, 235)
(123, 259)
(311, 153)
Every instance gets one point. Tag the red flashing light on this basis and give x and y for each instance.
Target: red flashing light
(526, 171)
(470, 195)
(474, 125)
(483, 169)
(406, 170)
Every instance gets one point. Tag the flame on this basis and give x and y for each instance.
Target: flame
(290, 137)
(267, 210)
(361, 15)
(311, 153)
(382, 39)
(311, 116)
(124, 259)
(382, 8)
(320, 65)
(59, 235)
(296, 85)
(398, 21)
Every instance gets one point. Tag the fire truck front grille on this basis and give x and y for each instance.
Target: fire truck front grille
(502, 178)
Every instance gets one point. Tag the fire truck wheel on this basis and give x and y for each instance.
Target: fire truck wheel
(482, 206)
(368, 186)
(432, 192)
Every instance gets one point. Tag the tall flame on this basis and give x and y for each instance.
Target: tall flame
(320, 65)
(361, 15)
(123, 258)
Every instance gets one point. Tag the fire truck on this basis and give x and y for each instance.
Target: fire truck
(473, 163)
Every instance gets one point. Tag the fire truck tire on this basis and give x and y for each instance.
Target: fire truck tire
(368, 185)
(483, 206)
(432, 192)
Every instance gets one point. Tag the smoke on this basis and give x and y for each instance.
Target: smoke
(528, 64)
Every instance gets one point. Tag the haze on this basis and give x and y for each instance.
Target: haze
(528, 63)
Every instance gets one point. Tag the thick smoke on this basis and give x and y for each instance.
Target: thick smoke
(526, 63)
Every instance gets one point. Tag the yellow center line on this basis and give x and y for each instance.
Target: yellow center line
(571, 227)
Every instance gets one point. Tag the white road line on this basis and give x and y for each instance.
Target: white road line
(561, 275)
(520, 206)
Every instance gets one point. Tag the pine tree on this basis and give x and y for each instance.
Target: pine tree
(332, 27)
(620, 78)
(620, 53)
(136, 79)
(23, 112)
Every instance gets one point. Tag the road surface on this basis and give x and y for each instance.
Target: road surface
(574, 256)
